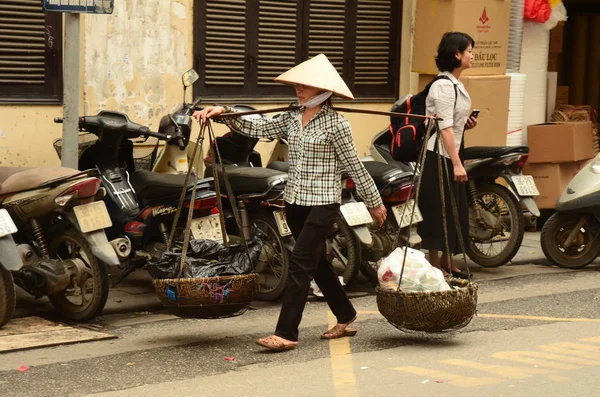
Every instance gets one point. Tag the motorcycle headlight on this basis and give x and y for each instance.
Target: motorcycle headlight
(595, 165)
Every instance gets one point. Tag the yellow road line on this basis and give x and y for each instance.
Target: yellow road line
(504, 371)
(342, 369)
(540, 318)
(450, 378)
(595, 339)
(519, 317)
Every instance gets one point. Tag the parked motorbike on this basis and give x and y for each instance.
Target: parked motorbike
(10, 260)
(570, 236)
(496, 220)
(397, 192)
(60, 237)
(142, 204)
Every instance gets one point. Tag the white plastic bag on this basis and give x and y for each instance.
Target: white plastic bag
(418, 275)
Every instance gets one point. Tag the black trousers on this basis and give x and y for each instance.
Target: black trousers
(310, 227)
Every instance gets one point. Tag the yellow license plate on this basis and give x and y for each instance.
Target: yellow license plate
(92, 217)
(207, 228)
(284, 228)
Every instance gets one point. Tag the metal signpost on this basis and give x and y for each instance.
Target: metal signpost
(72, 9)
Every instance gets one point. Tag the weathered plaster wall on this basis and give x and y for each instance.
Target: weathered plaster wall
(134, 58)
(26, 135)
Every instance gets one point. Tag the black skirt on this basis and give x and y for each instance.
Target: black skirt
(431, 229)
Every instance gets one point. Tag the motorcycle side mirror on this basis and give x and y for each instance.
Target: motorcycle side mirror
(189, 78)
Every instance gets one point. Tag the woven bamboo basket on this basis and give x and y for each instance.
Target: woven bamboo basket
(430, 312)
(211, 297)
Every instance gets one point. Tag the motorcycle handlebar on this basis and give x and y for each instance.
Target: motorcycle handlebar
(146, 132)
(58, 120)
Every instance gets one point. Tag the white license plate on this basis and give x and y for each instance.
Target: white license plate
(403, 214)
(525, 185)
(7, 226)
(284, 228)
(356, 214)
(207, 228)
(92, 217)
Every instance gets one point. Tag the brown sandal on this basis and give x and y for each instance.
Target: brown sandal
(336, 333)
(273, 344)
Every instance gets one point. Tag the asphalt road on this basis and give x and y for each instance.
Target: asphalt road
(537, 331)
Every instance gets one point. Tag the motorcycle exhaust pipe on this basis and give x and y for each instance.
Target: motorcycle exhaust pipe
(122, 247)
(530, 222)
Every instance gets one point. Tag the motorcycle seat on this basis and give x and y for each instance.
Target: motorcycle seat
(246, 180)
(282, 166)
(382, 173)
(19, 179)
(478, 152)
(152, 186)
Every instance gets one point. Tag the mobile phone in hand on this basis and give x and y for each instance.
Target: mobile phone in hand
(475, 113)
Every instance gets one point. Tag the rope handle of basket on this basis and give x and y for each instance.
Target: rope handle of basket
(214, 154)
(456, 216)
(416, 186)
(199, 143)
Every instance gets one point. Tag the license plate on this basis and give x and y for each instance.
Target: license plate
(7, 226)
(207, 228)
(284, 228)
(403, 214)
(92, 217)
(356, 214)
(525, 185)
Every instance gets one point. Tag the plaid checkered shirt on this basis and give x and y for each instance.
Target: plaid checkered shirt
(318, 154)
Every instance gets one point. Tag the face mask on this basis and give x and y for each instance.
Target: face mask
(317, 100)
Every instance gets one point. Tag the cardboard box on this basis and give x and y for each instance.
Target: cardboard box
(487, 21)
(560, 142)
(493, 117)
(552, 179)
(556, 38)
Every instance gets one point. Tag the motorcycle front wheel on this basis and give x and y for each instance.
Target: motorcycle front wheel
(584, 248)
(85, 300)
(502, 247)
(274, 258)
(8, 296)
(344, 251)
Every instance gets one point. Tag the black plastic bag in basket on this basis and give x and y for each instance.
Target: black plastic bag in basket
(207, 258)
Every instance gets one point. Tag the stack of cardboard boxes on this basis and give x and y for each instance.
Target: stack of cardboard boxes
(487, 21)
(557, 152)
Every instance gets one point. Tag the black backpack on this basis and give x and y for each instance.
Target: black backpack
(408, 133)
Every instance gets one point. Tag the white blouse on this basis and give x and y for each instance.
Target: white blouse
(440, 101)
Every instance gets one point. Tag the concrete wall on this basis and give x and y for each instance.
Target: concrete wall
(131, 62)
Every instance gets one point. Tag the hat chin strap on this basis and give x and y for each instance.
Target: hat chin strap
(317, 100)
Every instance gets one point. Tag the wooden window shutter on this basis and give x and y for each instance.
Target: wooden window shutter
(277, 39)
(372, 42)
(30, 52)
(225, 49)
(326, 31)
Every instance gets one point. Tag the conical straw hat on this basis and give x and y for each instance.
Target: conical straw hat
(317, 72)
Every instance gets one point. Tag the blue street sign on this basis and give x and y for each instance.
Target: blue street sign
(80, 6)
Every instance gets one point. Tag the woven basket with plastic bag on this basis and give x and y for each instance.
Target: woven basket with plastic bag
(424, 300)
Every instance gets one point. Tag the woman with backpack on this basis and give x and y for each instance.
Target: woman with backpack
(449, 100)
